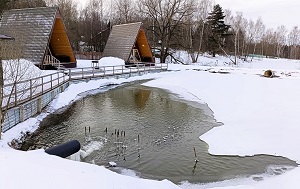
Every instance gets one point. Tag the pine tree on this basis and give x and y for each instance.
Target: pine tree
(218, 30)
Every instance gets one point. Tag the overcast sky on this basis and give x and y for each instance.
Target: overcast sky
(274, 13)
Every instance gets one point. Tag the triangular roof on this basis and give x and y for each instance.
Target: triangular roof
(123, 38)
(33, 27)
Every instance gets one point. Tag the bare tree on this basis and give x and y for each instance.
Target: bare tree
(167, 16)
(254, 34)
(93, 24)
(236, 25)
(13, 70)
(280, 35)
(203, 7)
(294, 42)
(125, 11)
(18, 4)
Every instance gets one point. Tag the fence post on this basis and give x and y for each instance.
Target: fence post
(43, 85)
(70, 75)
(51, 81)
(58, 78)
(39, 105)
(21, 109)
(16, 95)
(113, 70)
(30, 81)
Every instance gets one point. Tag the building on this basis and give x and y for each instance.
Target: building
(43, 35)
(129, 42)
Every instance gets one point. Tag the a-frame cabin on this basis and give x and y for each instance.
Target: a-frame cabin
(129, 42)
(43, 34)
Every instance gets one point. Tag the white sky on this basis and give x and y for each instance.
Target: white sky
(274, 13)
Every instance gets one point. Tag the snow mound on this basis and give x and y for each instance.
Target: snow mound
(62, 173)
(111, 61)
(20, 68)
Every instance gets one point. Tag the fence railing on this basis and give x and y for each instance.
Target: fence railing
(51, 60)
(20, 92)
(23, 91)
(106, 71)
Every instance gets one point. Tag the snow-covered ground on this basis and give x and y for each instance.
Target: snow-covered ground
(260, 116)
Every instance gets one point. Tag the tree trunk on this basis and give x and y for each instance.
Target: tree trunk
(1, 95)
(235, 48)
(200, 43)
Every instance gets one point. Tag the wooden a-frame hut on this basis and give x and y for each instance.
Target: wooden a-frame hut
(129, 42)
(42, 33)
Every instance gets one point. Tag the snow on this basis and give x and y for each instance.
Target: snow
(36, 169)
(259, 115)
(105, 61)
(24, 68)
(112, 164)
(111, 61)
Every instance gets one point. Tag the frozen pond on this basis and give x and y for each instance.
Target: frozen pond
(151, 132)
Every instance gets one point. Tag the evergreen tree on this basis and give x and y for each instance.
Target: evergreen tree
(218, 30)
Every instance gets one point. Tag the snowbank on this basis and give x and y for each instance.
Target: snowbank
(260, 116)
(24, 68)
(111, 61)
(36, 169)
(105, 61)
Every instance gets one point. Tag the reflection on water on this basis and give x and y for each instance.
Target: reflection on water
(147, 130)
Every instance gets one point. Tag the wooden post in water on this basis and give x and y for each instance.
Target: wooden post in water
(196, 160)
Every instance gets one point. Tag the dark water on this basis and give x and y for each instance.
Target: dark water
(160, 131)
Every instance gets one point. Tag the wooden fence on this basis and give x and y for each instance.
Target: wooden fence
(25, 99)
(24, 91)
(108, 71)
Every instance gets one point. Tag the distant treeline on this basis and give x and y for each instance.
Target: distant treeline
(196, 26)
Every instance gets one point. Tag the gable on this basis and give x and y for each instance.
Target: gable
(31, 27)
(121, 40)
(59, 41)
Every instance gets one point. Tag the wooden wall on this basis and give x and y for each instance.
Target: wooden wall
(60, 42)
(143, 46)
